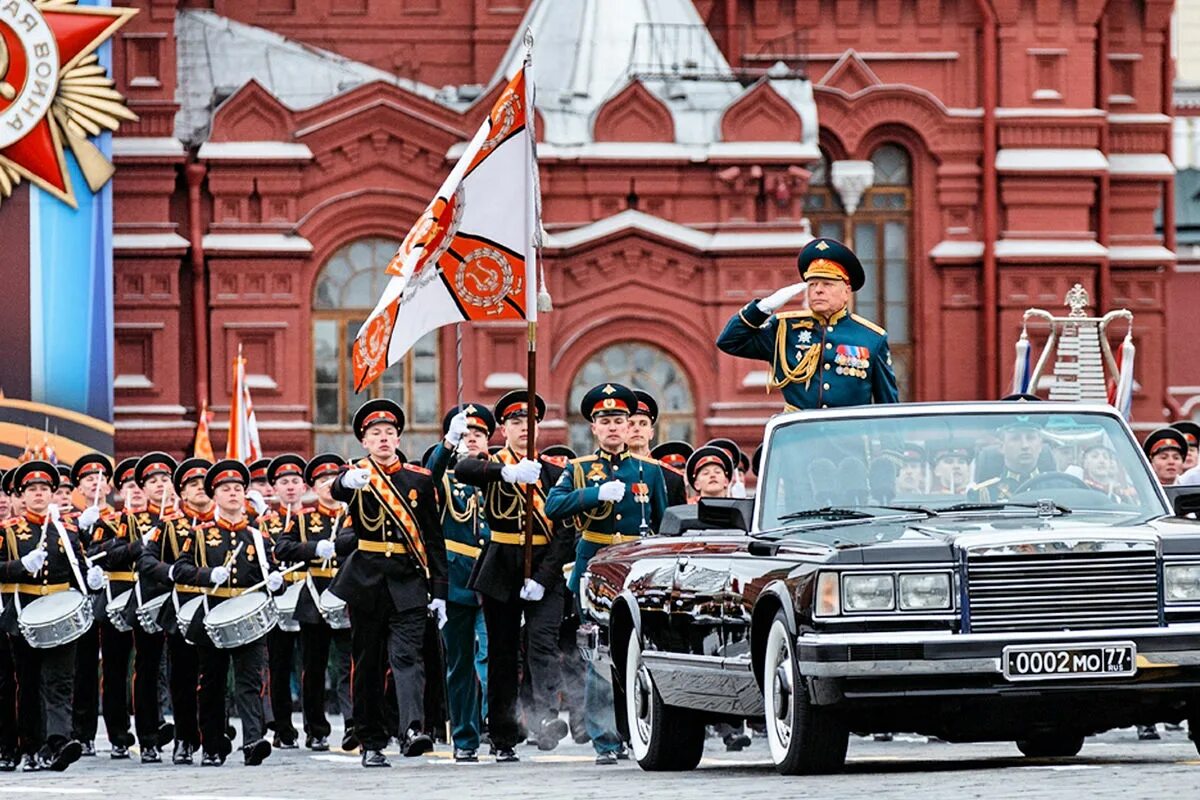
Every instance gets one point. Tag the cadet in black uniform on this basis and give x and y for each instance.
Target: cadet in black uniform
(500, 578)
(311, 538)
(394, 564)
(41, 556)
(9, 752)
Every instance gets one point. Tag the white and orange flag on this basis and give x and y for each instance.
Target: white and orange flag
(202, 446)
(243, 441)
(471, 255)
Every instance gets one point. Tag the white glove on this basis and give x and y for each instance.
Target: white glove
(612, 491)
(356, 478)
(88, 517)
(95, 577)
(52, 513)
(738, 489)
(218, 575)
(439, 607)
(325, 549)
(524, 471)
(458, 427)
(776, 301)
(256, 499)
(274, 581)
(532, 591)
(33, 561)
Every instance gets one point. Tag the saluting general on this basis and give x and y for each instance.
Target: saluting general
(823, 356)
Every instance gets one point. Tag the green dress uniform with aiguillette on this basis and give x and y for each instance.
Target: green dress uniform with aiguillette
(817, 363)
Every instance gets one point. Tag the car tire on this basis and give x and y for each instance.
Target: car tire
(663, 738)
(804, 739)
(1051, 745)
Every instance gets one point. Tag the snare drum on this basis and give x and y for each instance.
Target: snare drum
(333, 609)
(241, 620)
(116, 609)
(148, 613)
(286, 604)
(187, 612)
(55, 619)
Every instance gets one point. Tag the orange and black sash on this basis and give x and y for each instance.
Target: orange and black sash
(398, 511)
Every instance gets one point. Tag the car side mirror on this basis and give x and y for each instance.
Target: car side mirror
(726, 512)
(1185, 499)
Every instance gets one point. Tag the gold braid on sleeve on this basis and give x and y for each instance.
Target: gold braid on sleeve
(803, 371)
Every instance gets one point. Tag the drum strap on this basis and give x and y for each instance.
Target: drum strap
(72, 558)
(261, 551)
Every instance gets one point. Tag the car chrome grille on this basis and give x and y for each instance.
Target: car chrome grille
(1062, 591)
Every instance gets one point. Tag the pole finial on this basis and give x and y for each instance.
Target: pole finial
(527, 39)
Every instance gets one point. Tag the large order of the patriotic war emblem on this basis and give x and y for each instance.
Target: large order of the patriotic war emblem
(54, 91)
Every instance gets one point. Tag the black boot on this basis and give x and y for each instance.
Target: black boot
(256, 753)
(65, 756)
(182, 754)
(374, 758)
(415, 743)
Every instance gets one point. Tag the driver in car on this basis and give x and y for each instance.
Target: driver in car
(1021, 446)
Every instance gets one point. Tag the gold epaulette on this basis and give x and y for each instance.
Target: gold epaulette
(582, 459)
(866, 323)
(794, 314)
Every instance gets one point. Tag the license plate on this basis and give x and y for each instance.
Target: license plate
(1038, 662)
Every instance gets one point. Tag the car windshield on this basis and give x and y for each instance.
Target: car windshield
(956, 463)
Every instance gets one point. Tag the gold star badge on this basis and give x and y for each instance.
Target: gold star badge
(608, 389)
(470, 410)
(822, 245)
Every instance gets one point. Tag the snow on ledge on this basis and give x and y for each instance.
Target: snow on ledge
(149, 241)
(254, 151)
(256, 242)
(1050, 159)
(130, 146)
(1156, 164)
(1151, 252)
(721, 241)
(1050, 248)
(953, 249)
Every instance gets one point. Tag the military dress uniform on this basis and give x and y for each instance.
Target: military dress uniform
(499, 578)
(392, 564)
(672, 476)
(162, 545)
(817, 363)
(45, 677)
(9, 752)
(212, 545)
(576, 495)
(465, 528)
(298, 543)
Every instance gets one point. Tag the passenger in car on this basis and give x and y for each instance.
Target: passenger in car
(709, 471)
(1022, 447)
(1102, 473)
(950, 461)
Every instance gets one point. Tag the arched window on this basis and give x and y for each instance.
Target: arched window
(347, 289)
(879, 233)
(638, 366)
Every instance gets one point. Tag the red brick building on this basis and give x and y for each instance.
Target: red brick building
(982, 156)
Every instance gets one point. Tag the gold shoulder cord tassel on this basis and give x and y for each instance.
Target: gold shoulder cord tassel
(802, 372)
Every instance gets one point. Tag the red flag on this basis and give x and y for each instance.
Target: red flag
(202, 447)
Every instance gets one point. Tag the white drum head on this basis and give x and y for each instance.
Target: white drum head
(51, 607)
(236, 608)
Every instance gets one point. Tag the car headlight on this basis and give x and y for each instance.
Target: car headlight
(924, 591)
(1181, 583)
(868, 592)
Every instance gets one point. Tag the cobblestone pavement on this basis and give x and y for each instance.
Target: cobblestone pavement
(1112, 765)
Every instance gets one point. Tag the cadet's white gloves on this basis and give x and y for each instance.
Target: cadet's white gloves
(612, 492)
(274, 581)
(88, 517)
(738, 489)
(771, 304)
(356, 478)
(95, 578)
(438, 607)
(33, 561)
(325, 549)
(218, 575)
(524, 471)
(458, 427)
(532, 591)
(258, 501)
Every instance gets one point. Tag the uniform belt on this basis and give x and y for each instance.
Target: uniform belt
(387, 548)
(516, 538)
(122, 576)
(31, 588)
(294, 577)
(184, 589)
(464, 549)
(222, 591)
(323, 572)
(608, 538)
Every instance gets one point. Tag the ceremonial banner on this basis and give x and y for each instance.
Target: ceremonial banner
(470, 256)
(243, 441)
(202, 446)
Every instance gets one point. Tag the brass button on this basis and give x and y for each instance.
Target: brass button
(825, 386)
(618, 516)
(824, 405)
(827, 366)
(828, 346)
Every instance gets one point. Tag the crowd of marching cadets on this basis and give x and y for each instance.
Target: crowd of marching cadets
(379, 577)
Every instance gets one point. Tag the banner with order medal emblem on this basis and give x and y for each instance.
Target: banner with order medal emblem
(58, 109)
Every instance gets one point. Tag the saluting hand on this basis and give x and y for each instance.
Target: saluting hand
(777, 300)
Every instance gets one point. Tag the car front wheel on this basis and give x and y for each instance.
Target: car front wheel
(804, 739)
(1051, 745)
(664, 738)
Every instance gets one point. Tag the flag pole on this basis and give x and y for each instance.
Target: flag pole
(531, 313)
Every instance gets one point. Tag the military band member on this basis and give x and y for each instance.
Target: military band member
(87, 650)
(824, 356)
(224, 558)
(642, 424)
(285, 474)
(10, 755)
(16, 506)
(507, 595)
(162, 545)
(311, 538)
(709, 471)
(613, 496)
(1167, 450)
(737, 481)
(41, 556)
(1191, 432)
(466, 430)
(393, 575)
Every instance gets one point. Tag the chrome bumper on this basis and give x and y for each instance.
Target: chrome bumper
(851, 655)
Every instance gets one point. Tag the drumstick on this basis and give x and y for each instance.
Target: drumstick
(263, 583)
